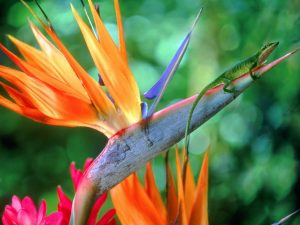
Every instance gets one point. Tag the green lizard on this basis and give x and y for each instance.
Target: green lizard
(230, 75)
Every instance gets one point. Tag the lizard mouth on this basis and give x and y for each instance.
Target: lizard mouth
(267, 51)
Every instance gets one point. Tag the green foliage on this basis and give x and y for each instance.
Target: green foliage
(254, 156)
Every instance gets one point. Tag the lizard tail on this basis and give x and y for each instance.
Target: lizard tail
(187, 128)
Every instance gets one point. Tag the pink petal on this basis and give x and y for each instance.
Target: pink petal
(24, 218)
(54, 219)
(9, 216)
(75, 175)
(16, 203)
(42, 212)
(64, 201)
(7, 221)
(28, 205)
(113, 222)
(96, 207)
(107, 218)
(10, 212)
(87, 163)
(64, 205)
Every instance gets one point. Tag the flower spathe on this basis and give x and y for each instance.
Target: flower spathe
(140, 205)
(24, 212)
(51, 87)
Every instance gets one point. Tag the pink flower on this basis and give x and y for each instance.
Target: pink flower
(65, 204)
(25, 213)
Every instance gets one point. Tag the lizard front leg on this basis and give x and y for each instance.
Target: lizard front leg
(227, 82)
(146, 117)
(146, 128)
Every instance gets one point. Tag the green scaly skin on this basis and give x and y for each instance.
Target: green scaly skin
(230, 75)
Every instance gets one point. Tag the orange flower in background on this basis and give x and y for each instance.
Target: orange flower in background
(140, 205)
(51, 87)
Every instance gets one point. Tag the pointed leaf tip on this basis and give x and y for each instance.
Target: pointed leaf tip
(196, 19)
(283, 220)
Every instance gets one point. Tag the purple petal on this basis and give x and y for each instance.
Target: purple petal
(144, 109)
(110, 97)
(100, 81)
(155, 90)
(159, 87)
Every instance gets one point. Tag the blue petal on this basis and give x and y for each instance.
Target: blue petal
(144, 109)
(159, 87)
(110, 97)
(100, 81)
(167, 74)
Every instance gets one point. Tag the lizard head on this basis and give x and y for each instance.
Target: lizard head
(265, 51)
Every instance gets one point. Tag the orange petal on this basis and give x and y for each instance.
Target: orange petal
(37, 116)
(152, 190)
(18, 97)
(35, 15)
(189, 189)
(49, 101)
(39, 102)
(121, 31)
(172, 201)
(111, 49)
(59, 62)
(44, 77)
(10, 105)
(24, 111)
(34, 57)
(189, 182)
(133, 205)
(200, 211)
(182, 207)
(114, 71)
(97, 95)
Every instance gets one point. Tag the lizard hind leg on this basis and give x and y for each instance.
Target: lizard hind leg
(253, 75)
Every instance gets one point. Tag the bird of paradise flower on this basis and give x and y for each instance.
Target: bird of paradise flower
(52, 87)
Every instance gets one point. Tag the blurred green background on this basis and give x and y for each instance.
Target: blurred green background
(254, 142)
